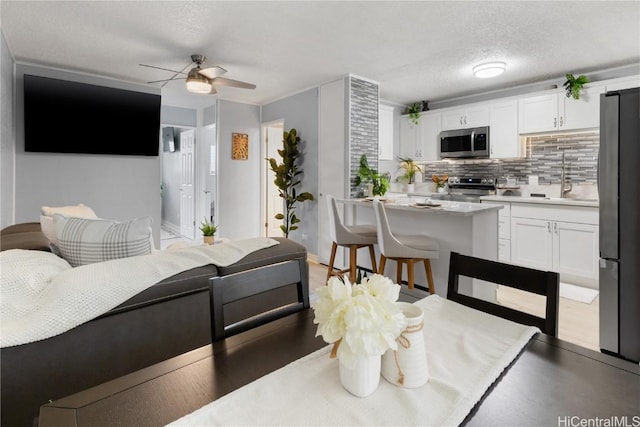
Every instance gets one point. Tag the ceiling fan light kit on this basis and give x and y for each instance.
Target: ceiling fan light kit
(199, 80)
(489, 69)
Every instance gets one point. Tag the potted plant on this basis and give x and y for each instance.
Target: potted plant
(440, 182)
(411, 168)
(413, 111)
(287, 178)
(366, 175)
(208, 231)
(573, 85)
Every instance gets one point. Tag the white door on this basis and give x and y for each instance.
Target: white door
(584, 112)
(538, 113)
(273, 135)
(385, 132)
(429, 136)
(408, 138)
(503, 125)
(531, 243)
(187, 189)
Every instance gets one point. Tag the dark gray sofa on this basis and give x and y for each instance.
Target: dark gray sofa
(170, 318)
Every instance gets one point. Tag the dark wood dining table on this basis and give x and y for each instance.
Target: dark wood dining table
(551, 383)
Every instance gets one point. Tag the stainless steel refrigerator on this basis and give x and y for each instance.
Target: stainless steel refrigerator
(619, 188)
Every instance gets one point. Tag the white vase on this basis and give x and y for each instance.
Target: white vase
(407, 367)
(363, 377)
(369, 190)
(441, 190)
(411, 188)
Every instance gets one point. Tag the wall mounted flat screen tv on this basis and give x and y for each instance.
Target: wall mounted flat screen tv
(68, 117)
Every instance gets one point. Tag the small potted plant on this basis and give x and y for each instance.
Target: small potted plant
(208, 231)
(411, 168)
(413, 111)
(573, 85)
(440, 182)
(367, 175)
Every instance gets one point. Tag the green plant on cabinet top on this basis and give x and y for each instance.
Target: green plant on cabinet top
(573, 85)
(413, 111)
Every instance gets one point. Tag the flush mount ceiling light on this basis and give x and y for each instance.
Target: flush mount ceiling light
(489, 69)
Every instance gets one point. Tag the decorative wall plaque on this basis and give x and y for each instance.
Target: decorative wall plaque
(240, 146)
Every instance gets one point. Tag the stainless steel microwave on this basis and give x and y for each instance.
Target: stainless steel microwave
(465, 143)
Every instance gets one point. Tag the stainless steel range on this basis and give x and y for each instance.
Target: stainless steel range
(468, 189)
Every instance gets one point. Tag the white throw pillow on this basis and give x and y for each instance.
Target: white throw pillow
(46, 219)
(84, 241)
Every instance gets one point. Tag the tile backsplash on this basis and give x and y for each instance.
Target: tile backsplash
(544, 159)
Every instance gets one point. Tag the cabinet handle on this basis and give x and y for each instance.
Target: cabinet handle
(460, 119)
(549, 227)
(555, 122)
(561, 121)
(465, 120)
(555, 227)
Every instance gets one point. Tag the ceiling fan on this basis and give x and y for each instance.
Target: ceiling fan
(201, 80)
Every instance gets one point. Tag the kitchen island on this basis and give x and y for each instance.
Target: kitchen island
(467, 228)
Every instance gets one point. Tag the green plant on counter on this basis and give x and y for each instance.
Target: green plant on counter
(207, 228)
(287, 178)
(410, 169)
(573, 85)
(367, 175)
(413, 111)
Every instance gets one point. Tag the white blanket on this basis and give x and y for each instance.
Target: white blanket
(42, 296)
(466, 352)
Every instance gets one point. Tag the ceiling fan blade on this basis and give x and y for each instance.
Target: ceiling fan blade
(233, 83)
(168, 80)
(160, 68)
(212, 72)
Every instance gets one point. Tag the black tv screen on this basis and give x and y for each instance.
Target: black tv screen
(69, 117)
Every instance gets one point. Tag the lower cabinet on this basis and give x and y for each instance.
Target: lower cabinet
(569, 248)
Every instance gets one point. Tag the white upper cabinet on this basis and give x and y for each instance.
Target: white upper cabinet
(504, 141)
(420, 142)
(623, 83)
(408, 138)
(554, 111)
(470, 116)
(385, 132)
(429, 136)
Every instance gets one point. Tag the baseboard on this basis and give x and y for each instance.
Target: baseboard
(313, 258)
(172, 228)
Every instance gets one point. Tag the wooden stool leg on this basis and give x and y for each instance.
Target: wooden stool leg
(427, 267)
(353, 251)
(383, 263)
(399, 271)
(332, 259)
(372, 253)
(410, 278)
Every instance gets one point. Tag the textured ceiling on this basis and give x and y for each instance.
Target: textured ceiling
(416, 50)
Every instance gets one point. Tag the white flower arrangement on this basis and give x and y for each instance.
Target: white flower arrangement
(360, 319)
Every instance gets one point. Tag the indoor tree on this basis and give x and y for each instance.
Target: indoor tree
(287, 178)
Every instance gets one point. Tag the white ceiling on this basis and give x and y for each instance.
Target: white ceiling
(416, 50)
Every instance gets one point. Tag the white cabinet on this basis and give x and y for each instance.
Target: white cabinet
(420, 142)
(553, 111)
(385, 132)
(408, 138)
(551, 238)
(623, 83)
(468, 117)
(504, 230)
(504, 140)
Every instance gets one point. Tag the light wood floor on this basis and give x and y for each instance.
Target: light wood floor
(577, 323)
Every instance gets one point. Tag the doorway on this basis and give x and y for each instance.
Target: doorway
(272, 203)
(178, 177)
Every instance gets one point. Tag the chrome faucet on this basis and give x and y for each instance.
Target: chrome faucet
(565, 185)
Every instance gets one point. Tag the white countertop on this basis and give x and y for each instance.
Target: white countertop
(542, 200)
(445, 207)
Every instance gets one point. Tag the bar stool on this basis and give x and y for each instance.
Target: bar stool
(404, 249)
(353, 237)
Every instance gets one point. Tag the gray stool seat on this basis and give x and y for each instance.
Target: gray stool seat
(353, 237)
(404, 249)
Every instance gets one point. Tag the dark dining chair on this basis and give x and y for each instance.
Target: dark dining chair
(527, 279)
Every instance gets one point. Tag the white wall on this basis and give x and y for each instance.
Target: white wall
(239, 186)
(116, 187)
(7, 134)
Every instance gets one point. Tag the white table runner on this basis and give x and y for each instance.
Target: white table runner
(466, 352)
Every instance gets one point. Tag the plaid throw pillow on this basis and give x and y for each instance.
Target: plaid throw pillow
(84, 241)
